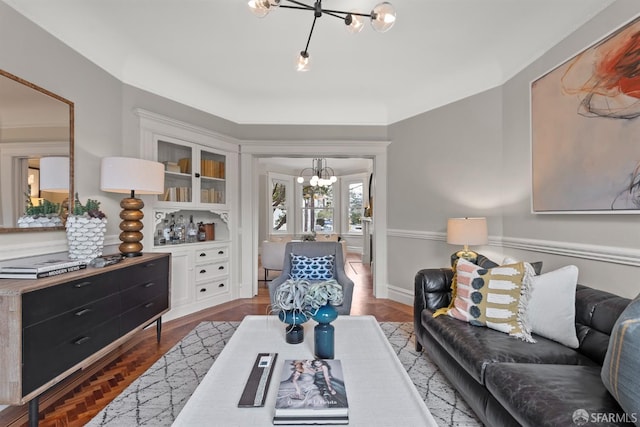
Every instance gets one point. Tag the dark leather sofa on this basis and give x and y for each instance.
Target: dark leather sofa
(509, 382)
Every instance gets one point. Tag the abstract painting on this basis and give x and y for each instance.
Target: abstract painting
(585, 129)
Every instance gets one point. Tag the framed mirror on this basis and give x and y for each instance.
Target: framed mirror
(34, 124)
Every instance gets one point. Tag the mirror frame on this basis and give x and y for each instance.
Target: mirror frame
(71, 151)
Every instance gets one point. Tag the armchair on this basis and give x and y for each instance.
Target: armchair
(316, 249)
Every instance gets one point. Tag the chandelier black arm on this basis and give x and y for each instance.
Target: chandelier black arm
(306, 48)
(333, 12)
(330, 12)
(303, 5)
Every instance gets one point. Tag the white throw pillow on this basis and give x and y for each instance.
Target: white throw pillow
(552, 310)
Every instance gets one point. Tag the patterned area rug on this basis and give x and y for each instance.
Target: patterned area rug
(158, 395)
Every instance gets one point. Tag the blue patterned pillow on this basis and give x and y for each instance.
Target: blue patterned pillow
(316, 268)
(621, 364)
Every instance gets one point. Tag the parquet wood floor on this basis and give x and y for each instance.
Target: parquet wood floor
(80, 397)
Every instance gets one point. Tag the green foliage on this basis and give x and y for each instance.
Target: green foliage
(90, 209)
(45, 208)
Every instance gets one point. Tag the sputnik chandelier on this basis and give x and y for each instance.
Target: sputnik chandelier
(382, 17)
(321, 174)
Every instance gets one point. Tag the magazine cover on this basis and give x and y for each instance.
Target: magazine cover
(312, 388)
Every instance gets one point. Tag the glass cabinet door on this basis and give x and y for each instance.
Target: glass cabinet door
(178, 164)
(212, 177)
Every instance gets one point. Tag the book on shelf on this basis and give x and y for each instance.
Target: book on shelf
(311, 391)
(29, 265)
(43, 274)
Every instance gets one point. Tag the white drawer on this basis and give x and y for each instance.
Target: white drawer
(213, 288)
(209, 271)
(204, 256)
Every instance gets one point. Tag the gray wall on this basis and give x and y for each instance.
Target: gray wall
(467, 158)
(472, 158)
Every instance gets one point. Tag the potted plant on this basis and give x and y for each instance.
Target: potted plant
(86, 226)
(46, 214)
(296, 300)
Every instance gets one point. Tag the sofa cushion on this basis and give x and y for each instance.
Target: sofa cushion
(551, 395)
(475, 348)
(312, 268)
(622, 364)
(552, 308)
(496, 297)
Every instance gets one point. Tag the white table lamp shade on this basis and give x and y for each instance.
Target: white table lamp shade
(54, 174)
(124, 174)
(467, 231)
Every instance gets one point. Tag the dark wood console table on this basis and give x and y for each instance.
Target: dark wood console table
(52, 327)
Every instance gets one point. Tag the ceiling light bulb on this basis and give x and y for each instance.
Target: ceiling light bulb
(300, 180)
(383, 16)
(355, 23)
(303, 63)
(333, 179)
(259, 8)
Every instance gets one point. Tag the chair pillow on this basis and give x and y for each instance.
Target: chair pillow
(495, 297)
(315, 268)
(552, 309)
(621, 363)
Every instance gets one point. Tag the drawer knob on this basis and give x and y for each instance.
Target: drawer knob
(148, 285)
(203, 271)
(83, 312)
(221, 267)
(81, 285)
(220, 252)
(203, 290)
(221, 285)
(82, 340)
(203, 254)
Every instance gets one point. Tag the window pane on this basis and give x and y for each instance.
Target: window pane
(317, 209)
(279, 206)
(355, 207)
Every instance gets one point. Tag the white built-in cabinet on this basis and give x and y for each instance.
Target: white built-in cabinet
(201, 181)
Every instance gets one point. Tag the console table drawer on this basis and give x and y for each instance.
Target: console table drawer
(44, 303)
(141, 274)
(143, 293)
(39, 367)
(143, 313)
(48, 334)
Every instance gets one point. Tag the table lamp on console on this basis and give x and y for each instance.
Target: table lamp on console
(130, 176)
(54, 177)
(467, 231)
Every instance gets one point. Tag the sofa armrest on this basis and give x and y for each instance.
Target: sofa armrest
(432, 289)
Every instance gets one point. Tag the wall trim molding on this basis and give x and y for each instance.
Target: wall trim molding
(611, 254)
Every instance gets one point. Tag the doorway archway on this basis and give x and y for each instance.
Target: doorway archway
(250, 152)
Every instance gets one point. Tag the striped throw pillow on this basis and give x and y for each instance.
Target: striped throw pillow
(496, 297)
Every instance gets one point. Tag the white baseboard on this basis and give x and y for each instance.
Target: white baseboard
(400, 295)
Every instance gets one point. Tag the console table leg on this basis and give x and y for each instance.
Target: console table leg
(158, 328)
(33, 412)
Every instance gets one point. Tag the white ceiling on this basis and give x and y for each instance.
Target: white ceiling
(216, 56)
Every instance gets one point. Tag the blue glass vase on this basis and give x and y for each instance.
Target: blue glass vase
(324, 342)
(294, 332)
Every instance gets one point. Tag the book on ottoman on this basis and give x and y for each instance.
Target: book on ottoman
(312, 391)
